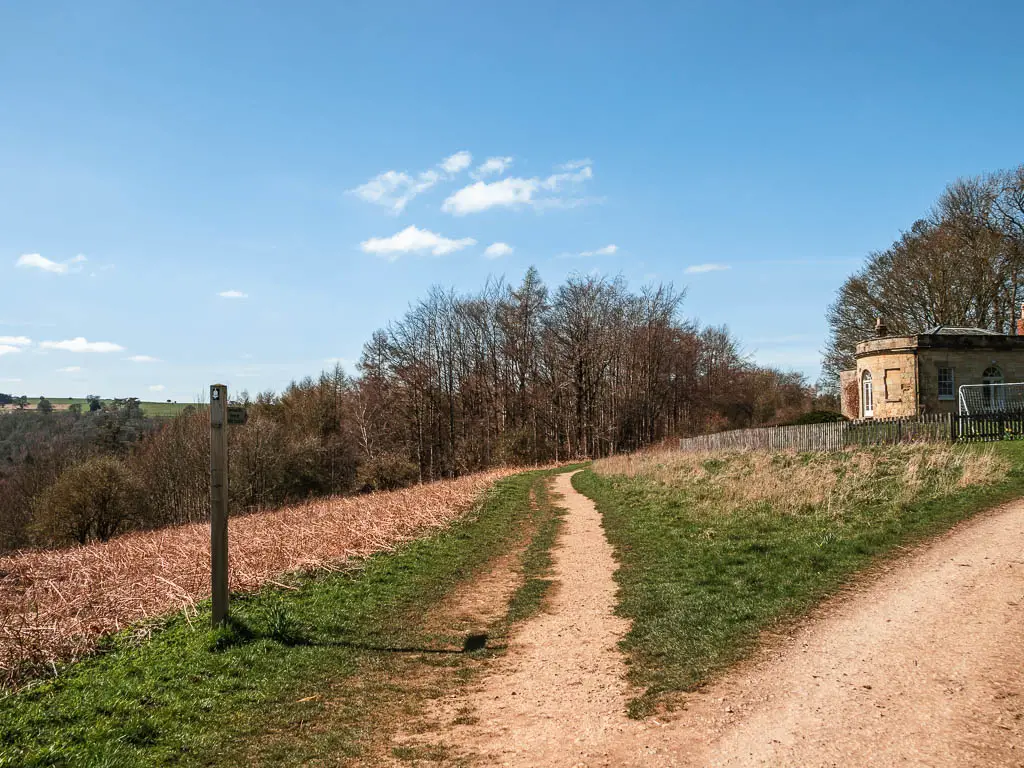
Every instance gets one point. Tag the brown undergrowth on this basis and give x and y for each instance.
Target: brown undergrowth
(56, 604)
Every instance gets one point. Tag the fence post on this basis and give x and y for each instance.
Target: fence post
(219, 502)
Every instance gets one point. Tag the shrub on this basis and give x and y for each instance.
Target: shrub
(387, 472)
(90, 500)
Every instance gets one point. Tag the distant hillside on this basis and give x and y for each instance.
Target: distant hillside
(153, 409)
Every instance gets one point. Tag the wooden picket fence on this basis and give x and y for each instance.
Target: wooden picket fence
(989, 427)
(833, 436)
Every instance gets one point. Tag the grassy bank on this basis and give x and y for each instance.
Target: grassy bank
(714, 549)
(308, 672)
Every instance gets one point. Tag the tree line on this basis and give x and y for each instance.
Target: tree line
(962, 264)
(523, 374)
(510, 374)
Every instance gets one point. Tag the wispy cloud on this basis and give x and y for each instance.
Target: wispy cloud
(70, 369)
(412, 239)
(609, 250)
(157, 387)
(699, 269)
(8, 349)
(497, 250)
(232, 294)
(396, 189)
(16, 341)
(10, 381)
(457, 163)
(79, 344)
(144, 359)
(37, 261)
(492, 166)
(517, 192)
(572, 165)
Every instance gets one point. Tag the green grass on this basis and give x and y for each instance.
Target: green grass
(154, 409)
(700, 586)
(302, 676)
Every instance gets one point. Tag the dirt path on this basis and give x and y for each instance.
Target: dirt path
(920, 667)
(557, 698)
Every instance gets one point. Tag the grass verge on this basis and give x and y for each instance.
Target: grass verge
(705, 566)
(305, 674)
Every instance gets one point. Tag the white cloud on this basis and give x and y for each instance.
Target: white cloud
(7, 349)
(491, 166)
(413, 240)
(157, 387)
(79, 344)
(607, 250)
(497, 250)
(482, 195)
(395, 189)
(70, 369)
(457, 163)
(36, 261)
(144, 359)
(572, 165)
(233, 295)
(16, 341)
(9, 381)
(514, 192)
(699, 269)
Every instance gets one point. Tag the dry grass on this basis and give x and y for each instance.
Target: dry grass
(55, 604)
(795, 483)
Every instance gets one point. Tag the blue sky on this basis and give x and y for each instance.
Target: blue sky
(156, 155)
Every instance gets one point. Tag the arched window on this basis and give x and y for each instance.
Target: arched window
(993, 396)
(867, 395)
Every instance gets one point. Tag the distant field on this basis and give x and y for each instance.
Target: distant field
(155, 409)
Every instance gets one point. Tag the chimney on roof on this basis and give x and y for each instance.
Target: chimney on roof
(881, 329)
(1020, 322)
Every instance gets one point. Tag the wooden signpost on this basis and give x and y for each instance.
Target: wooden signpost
(219, 501)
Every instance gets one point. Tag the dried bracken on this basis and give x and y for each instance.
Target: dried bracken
(55, 604)
(793, 483)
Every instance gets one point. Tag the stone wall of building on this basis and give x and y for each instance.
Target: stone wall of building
(968, 366)
(905, 369)
(894, 381)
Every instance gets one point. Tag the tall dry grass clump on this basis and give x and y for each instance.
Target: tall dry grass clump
(54, 604)
(793, 483)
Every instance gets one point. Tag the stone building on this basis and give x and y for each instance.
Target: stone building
(899, 376)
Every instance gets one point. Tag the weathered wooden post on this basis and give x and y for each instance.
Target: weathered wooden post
(219, 501)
